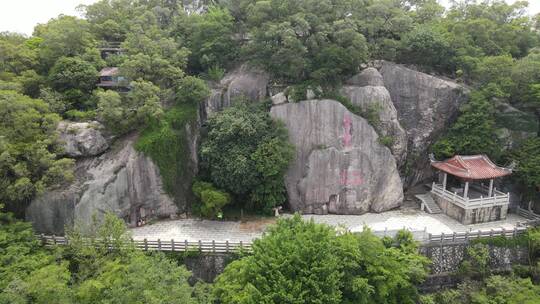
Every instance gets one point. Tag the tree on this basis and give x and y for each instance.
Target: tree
(305, 262)
(28, 160)
(212, 200)
(65, 36)
(301, 40)
(211, 40)
(125, 113)
(472, 133)
(246, 153)
(528, 165)
(191, 90)
(427, 45)
(28, 273)
(75, 78)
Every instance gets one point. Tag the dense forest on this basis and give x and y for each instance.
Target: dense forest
(170, 56)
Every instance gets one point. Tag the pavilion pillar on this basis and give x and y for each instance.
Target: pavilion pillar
(466, 190)
(445, 178)
(490, 193)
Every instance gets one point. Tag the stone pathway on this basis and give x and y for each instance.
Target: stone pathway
(413, 219)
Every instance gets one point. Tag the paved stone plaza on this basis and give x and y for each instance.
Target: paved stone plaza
(420, 222)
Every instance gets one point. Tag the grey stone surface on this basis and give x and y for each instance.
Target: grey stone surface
(340, 166)
(279, 98)
(245, 81)
(447, 258)
(122, 181)
(426, 107)
(377, 98)
(206, 267)
(368, 77)
(82, 139)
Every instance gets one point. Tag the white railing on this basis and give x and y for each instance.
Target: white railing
(498, 199)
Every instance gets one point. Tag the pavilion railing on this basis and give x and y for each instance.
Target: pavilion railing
(498, 198)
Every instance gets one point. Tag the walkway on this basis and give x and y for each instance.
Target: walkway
(413, 219)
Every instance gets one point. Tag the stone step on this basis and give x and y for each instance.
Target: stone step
(428, 203)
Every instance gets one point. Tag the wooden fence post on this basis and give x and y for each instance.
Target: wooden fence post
(227, 246)
(159, 244)
(241, 246)
(54, 239)
(172, 245)
(185, 245)
(213, 246)
(200, 245)
(145, 244)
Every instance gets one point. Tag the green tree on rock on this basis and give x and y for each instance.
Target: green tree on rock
(246, 153)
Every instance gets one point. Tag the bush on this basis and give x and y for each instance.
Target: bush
(212, 200)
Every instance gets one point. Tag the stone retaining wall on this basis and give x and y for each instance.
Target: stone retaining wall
(446, 260)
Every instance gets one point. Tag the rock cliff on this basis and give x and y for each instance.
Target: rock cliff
(426, 106)
(366, 90)
(82, 139)
(121, 180)
(340, 167)
(245, 81)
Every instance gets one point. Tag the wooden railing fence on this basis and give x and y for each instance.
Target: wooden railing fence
(160, 245)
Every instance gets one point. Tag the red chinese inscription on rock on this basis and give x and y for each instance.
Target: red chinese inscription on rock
(350, 178)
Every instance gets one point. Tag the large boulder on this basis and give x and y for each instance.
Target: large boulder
(340, 166)
(367, 91)
(122, 181)
(82, 139)
(426, 106)
(246, 81)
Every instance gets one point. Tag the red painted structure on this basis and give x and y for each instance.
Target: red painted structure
(473, 167)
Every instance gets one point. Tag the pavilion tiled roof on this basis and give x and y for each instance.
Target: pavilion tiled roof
(471, 167)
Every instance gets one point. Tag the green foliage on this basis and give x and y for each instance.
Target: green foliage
(472, 133)
(299, 40)
(246, 153)
(123, 113)
(427, 45)
(211, 199)
(75, 78)
(304, 262)
(108, 270)
(476, 263)
(528, 164)
(191, 90)
(211, 40)
(495, 289)
(28, 160)
(65, 36)
(165, 141)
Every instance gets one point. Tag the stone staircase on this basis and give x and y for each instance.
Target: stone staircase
(428, 204)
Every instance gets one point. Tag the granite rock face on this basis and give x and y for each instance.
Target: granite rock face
(369, 93)
(82, 139)
(246, 82)
(122, 181)
(426, 106)
(340, 167)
